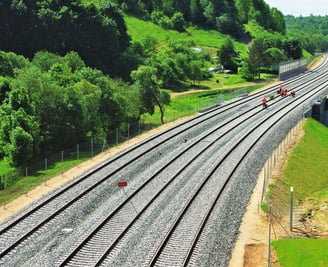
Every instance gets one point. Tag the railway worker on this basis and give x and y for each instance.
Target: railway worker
(264, 102)
(292, 93)
(279, 91)
(284, 92)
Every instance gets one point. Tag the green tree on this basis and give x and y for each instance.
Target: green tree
(196, 11)
(226, 54)
(97, 34)
(257, 56)
(278, 22)
(45, 60)
(260, 12)
(243, 7)
(6, 68)
(167, 6)
(74, 61)
(183, 6)
(57, 106)
(195, 71)
(178, 21)
(112, 109)
(4, 88)
(20, 135)
(209, 13)
(293, 48)
(88, 96)
(20, 148)
(275, 56)
(227, 24)
(248, 71)
(151, 95)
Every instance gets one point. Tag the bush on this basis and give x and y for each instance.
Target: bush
(178, 21)
(165, 23)
(156, 16)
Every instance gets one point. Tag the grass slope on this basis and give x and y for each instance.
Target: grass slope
(302, 252)
(138, 29)
(307, 172)
(307, 168)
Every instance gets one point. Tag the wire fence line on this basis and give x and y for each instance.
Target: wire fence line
(93, 147)
(277, 208)
(77, 152)
(271, 163)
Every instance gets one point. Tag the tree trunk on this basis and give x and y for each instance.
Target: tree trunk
(161, 108)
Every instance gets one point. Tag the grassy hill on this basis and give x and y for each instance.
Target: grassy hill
(210, 40)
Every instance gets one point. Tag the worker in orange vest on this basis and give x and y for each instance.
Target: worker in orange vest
(292, 93)
(284, 92)
(279, 91)
(264, 102)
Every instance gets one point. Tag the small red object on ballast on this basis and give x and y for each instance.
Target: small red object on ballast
(121, 184)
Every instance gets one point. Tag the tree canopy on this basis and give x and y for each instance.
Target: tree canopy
(97, 34)
(311, 31)
(52, 96)
(69, 68)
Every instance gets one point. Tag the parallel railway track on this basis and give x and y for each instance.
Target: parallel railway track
(13, 238)
(84, 250)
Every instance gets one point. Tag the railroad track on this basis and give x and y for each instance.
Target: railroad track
(13, 238)
(167, 254)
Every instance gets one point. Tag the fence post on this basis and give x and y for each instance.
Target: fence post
(264, 185)
(91, 147)
(269, 239)
(291, 208)
(45, 164)
(104, 144)
(77, 151)
(220, 99)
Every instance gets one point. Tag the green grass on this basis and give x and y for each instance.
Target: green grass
(24, 184)
(307, 172)
(307, 166)
(302, 252)
(306, 169)
(138, 29)
(191, 103)
(5, 167)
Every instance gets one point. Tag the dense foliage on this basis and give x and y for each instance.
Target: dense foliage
(53, 102)
(50, 97)
(267, 49)
(227, 16)
(312, 31)
(56, 76)
(97, 34)
(310, 24)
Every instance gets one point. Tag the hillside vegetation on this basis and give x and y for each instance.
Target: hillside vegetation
(83, 69)
(312, 31)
